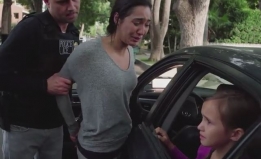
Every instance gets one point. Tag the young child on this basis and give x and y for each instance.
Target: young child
(226, 116)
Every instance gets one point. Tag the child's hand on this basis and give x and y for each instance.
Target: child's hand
(163, 136)
(73, 138)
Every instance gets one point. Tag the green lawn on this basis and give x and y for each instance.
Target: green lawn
(146, 60)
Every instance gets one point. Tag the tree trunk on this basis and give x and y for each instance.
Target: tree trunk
(155, 52)
(259, 5)
(169, 46)
(175, 43)
(152, 29)
(38, 6)
(160, 30)
(9, 27)
(82, 29)
(162, 53)
(6, 19)
(31, 4)
(205, 38)
(191, 15)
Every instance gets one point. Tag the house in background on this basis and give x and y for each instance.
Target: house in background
(17, 11)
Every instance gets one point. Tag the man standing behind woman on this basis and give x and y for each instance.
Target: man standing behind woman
(103, 69)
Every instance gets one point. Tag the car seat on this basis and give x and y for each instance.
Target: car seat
(187, 140)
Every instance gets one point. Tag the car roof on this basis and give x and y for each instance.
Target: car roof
(247, 59)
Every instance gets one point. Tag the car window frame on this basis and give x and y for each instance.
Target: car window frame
(223, 70)
(151, 73)
(247, 137)
(155, 110)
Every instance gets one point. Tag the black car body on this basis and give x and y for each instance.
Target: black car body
(176, 108)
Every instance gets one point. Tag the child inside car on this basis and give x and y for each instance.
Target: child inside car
(226, 116)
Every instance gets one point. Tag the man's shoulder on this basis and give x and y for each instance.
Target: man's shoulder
(27, 26)
(29, 22)
(36, 19)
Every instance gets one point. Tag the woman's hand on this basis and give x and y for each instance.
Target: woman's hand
(163, 136)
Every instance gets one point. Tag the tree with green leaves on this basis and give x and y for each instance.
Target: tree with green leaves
(159, 27)
(254, 4)
(173, 34)
(234, 21)
(33, 5)
(247, 31)
(92, 11)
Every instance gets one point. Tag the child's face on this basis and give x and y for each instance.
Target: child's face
(212, 131)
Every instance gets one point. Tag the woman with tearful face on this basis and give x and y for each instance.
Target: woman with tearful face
(103, 69)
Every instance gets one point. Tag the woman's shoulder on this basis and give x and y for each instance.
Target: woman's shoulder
(84, 51)
(86, 47)
(90, 44)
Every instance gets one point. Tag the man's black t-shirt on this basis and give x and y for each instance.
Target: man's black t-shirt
(32, 53)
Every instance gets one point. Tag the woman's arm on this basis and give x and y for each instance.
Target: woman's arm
(64, 103)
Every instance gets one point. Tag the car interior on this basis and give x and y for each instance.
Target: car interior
(184, 130)
(251, 149)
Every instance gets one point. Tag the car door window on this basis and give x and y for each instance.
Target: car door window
(183, 129)
(211, 81)
(163, 80)
(159, 83)
(252, 148)
(190, 112)
(152, 90)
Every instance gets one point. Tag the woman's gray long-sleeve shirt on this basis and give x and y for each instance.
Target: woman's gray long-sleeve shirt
(104, 90)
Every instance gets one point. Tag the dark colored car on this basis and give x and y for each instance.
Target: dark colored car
(170, 94)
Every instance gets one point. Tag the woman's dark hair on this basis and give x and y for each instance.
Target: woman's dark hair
(124, 9)
(237, 108)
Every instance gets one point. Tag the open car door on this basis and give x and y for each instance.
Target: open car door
(144, 144)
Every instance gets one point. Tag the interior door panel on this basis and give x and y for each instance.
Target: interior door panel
(147, 103)
(148, 98)
(143, 144)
